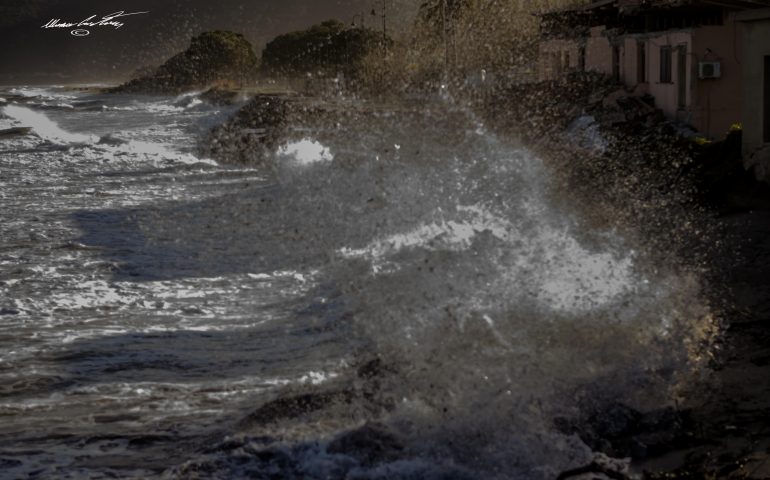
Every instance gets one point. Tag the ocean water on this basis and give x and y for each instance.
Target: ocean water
(398, 294)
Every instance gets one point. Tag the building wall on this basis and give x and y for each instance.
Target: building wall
(557, 56)
(665, 93)
(717, 103)
(628, 61)
(710, 106)
(598, 52)
(756, 38)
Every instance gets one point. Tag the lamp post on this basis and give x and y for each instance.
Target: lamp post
(384, 24)
(444, 38)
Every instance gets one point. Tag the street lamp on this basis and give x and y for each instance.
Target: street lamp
(384, 24)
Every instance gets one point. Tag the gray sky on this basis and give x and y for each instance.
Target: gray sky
(31, 54)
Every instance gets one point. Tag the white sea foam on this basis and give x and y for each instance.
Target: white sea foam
(567, 276)
(50, 131)
(46, 128)
(306, 151)
(43, 93)
(160, 151)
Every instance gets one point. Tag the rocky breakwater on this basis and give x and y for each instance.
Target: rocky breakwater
(257, 128)
(213, 58)
(266, 122)
(692, 201)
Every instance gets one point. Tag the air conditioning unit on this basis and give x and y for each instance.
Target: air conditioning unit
(707, 70)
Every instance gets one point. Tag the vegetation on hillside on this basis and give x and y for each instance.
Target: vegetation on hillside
(454, 40)
(328, 48)
(218, 57)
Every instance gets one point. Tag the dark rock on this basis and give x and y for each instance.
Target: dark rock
(217, 57)
(15, 131)
(236, 443)
(595, 468)
(372, 443)
(219, 96)
(121, 417)
(373, 369)
(292, 407)
(9, 463)
(9, 311)
(260, 127)
(112, 141)
(143, 441)
(621, 431)
(722, 179)
(615, 421)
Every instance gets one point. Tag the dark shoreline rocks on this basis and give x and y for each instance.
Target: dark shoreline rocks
(220, 96)
(254, 130)
(681, 196)
(15, 132)
(694, 203)
(266, 122)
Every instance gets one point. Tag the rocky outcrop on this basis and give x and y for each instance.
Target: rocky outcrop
(628, 148)
(693, 202)
(256, 128)
(217, 57)
(220, 96)
(263, 124)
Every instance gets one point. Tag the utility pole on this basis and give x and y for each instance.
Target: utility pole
(444, 38)
(385, 25)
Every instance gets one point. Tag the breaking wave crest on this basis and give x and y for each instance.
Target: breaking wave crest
(406, 297)
(104, 147)
(493, 310)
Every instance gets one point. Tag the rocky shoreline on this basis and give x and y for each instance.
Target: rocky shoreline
(628, 169)
(702, 210)
(697, 205)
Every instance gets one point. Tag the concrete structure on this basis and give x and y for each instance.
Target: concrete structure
(687, 54)
(756, 89)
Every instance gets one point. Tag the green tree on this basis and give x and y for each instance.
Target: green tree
(327, 48)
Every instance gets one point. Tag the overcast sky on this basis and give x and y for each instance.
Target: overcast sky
(31, 54)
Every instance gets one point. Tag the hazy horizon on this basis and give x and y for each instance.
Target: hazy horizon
(36, 55)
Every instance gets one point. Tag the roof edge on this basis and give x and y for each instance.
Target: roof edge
(753, 15)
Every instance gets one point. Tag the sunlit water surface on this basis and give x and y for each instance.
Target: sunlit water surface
(152, 300)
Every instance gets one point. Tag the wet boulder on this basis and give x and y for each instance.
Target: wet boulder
(284, 408)
(262, 125)
(219, 96)
(15, 132)
(373, 443)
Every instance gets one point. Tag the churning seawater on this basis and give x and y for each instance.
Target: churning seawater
(398, 294)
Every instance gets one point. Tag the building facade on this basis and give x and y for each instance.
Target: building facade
(688, 54)
(756, 87)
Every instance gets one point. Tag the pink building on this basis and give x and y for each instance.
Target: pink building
(688, 54)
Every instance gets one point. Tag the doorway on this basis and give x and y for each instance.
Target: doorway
(681, 76)
(766, 101)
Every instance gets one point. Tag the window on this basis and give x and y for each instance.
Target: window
(641, 62)
(681, 76)
(766, 102)
(616, 64)
(582, 59)
(555, 65)
(665, 64)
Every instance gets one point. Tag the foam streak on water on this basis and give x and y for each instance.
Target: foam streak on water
(151, 301)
